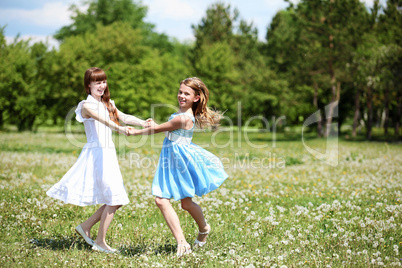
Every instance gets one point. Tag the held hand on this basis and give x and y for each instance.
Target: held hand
(121, 130)
(149, 123)
(131, 131)
(127, 131)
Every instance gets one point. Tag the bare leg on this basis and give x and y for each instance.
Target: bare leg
(173, 222)
(171, 218)
(196, 212)
(91, 221)
(105, 220)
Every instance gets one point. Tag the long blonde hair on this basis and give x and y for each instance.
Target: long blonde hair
(204, 116)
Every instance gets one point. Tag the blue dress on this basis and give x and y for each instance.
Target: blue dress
(185, 169)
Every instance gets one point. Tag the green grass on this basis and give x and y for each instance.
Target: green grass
(280, 205)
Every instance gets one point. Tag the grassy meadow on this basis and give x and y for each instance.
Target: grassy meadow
(280, 207)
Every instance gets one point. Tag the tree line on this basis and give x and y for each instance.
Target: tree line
(316, 53)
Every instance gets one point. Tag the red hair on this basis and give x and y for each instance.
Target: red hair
(96, 74)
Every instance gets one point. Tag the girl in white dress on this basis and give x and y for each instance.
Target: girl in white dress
(95, 178)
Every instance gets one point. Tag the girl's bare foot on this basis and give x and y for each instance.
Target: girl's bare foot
(183, 248)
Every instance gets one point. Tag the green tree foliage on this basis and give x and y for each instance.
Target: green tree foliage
(319, 45)
(227, 57)
(389, 31)
(106, 12)
(316, 52)
(103, 12)
(138, 76)
(22, 82)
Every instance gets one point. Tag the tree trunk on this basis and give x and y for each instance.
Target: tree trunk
(398, 113)
(369, 112)
(357, 111)
(26, 123)
(386, 110)
(315, 102)
(335, 88)
(335, 94)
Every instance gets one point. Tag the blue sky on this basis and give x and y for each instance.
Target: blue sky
(40, 19)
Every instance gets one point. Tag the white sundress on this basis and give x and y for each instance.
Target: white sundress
(95, 178)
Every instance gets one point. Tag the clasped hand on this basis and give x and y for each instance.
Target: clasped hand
(132, 131)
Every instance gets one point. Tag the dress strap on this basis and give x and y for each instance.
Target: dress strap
(187, 114)
(191, 117)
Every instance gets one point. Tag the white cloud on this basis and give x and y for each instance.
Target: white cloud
(275, 5)
(50, 41)
(172, 9)
(368, 3)
(50, 15)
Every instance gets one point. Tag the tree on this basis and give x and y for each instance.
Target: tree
(227, 57)
(106, 12)
(22, 86)
(312, 43)
(390, 34)
(138, 76)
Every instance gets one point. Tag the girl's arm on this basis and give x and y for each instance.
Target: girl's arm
(91, 111)
(130, 119)
(176, 123)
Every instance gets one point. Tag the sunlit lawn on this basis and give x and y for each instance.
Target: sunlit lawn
(279, 207)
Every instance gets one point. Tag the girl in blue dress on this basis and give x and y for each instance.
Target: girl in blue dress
(185, 169)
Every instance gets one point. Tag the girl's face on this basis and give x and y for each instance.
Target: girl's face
(186, 97)
(97, 89)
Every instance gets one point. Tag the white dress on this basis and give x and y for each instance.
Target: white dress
(95, 178)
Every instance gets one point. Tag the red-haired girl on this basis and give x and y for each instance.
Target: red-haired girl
(95, 178)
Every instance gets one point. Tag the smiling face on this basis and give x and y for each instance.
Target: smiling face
(186, 97)
(97, 89)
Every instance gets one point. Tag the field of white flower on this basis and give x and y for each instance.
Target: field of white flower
(280, 207)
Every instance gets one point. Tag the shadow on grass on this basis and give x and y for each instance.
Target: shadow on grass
(61, 243)
(74, 242)
(135, 250)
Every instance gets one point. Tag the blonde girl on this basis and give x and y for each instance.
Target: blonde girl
(185, 169)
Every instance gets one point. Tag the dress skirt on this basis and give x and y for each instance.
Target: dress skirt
(186, 170)
(94, 179)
